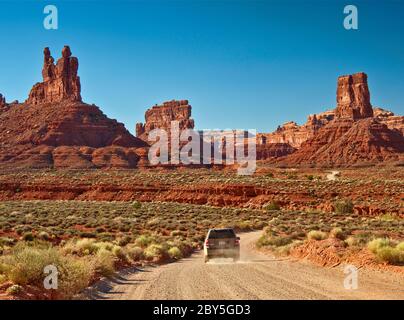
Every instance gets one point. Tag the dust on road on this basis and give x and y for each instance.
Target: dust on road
(256, 276)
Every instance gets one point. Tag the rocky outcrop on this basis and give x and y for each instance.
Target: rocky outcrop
(389, 119)
(293, 134)
(54, 128)
(353, 98)
(347, 142)
(2, 101)
(273, 150)
(161, 116)
(60, 81)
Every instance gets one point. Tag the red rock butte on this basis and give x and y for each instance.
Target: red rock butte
(161, 116)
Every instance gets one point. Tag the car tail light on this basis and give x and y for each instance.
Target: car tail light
(237, 242)
(207, 243)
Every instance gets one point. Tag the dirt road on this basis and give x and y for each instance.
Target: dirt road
(256, 276)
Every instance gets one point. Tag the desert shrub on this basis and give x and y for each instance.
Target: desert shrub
(386, 251)
(390, 255)
(14, 289)
(75, 275)
(266, 240)
(25, 264)
(120, 253)
(400, 246)
(155, 252)
(124, 241)
(43, 235)
(135, 253)
(377, 244)
(80, 247)
(273, 205)
(310, 177)
(4, 241)
(28, 236)
(136, 205)
(104, 262)
(337, 233)
(360, 239)
(317, 235)
(175, 253)
(344, 206)
(143, 241)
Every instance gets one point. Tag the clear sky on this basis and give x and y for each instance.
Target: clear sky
(241, 64)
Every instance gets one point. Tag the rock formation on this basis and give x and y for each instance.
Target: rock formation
(161, 116)
(353, 98)
(354, 136)
(347, 142)
(293, 134)
(60, 81)
(54, 128)
(390, 119)
(2, 101)
(273, 150)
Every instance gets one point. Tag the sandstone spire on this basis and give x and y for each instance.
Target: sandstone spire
(353, 98)
(60, 81)
(2, 101)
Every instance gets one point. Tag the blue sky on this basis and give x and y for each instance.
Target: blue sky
(241, 64)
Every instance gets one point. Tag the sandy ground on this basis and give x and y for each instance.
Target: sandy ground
(256, 276)
(332, 176)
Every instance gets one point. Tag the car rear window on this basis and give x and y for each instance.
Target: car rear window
(221, 234)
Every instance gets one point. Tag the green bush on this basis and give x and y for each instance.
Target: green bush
(386, 251)
(391, 255)
(25, 264)
(377, 244)
(337, 233)
(136, 205)
(175, 253)
(155, 252)
(344, 206)
(317, 235)
(105, 262)
(143, 241)
(28, 236)
(135, 253)
(273, 205)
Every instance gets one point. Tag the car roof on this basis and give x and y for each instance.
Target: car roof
(220, 229)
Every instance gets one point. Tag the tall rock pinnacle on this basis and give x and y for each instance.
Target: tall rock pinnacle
(353, 98)
(60, 81)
